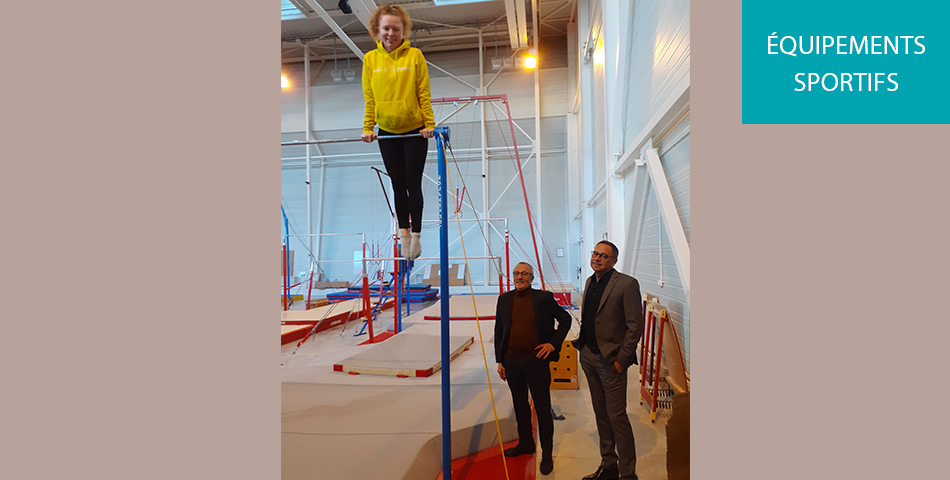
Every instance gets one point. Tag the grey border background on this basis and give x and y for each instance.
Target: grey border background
(129, 351)
(141, 208)
(820, 258)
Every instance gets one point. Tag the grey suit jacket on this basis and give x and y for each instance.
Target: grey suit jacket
(619, 319)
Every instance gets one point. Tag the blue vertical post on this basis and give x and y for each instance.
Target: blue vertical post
(399, 297)
(442, 134)
(286, 254)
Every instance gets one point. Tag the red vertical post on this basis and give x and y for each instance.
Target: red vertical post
(366, 308)
(656, 371)
(309, 289)
(646, 347)
(507, 261)
(396, 289)
(524, 191)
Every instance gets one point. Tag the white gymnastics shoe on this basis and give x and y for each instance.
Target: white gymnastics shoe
(415, 247)
(404, 246)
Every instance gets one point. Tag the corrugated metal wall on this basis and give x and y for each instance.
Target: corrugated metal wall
(659, 59)
(659, 62)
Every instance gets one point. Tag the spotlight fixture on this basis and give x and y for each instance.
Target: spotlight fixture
(345, 7)
(336, 74)
(496, 62)
(349, 73)
(283, 82)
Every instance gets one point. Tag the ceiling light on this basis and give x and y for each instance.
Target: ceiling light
(349, 74)
(530, 61)
(337, 75)
(496, 63)
(509, 62)
(283, 82)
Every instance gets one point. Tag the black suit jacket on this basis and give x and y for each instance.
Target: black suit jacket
(546, 310)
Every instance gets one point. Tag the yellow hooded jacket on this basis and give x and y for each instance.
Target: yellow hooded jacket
(396, 89)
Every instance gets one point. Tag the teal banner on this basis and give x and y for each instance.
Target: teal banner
(845, 62)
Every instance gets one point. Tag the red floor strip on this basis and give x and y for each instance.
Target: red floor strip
(487, 465)
(379, 337)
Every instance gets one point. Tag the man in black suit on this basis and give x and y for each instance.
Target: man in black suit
(611, 325)
(526, 341)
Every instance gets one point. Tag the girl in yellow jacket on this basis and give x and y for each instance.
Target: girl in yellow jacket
(396, 89)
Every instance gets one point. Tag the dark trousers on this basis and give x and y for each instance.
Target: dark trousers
(405, 160)
(608, 396)
(523, 373)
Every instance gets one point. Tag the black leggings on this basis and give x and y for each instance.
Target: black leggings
(405, 160)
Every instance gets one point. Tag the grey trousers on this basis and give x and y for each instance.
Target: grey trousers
(608, 394)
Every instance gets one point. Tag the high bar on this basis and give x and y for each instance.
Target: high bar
(341, 140)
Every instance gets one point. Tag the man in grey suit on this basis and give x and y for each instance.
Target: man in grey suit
(611, 325)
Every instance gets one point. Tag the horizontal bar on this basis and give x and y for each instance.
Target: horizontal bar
(425, 258)
(325, 234)
(341, 140)
(469, 99)
(337, 261)
(469, 220)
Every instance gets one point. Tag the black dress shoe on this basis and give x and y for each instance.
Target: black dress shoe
(547, 464)
(603, 474)
(520, 449)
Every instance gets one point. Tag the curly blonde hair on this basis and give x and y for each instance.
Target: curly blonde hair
(394, 10)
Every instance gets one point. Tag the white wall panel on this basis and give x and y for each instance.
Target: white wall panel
(659, 60)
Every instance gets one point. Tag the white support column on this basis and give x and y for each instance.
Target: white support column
(586, 145)
(306, 123)
(572, 202)
(612, 46)
(486, 207)
(671, 219)
(537, 120)
(313, 242)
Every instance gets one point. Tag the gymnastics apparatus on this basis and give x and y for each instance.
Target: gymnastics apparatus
(402, 266)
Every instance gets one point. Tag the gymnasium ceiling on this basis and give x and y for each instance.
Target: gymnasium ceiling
(438, 25)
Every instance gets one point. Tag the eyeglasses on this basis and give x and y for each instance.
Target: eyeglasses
(603, 256)
(521, 274)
